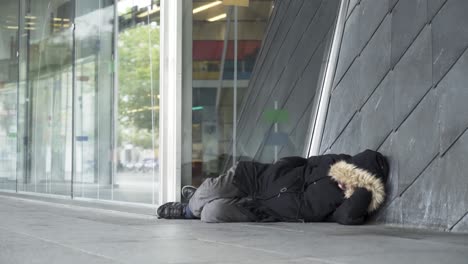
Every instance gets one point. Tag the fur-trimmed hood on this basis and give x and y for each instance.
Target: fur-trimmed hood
(367, 170)
(353, 177)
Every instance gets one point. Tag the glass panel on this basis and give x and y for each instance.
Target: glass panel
(213, 93)
(48, 96)
(8, 93)
(93, 98)
(273, 102)
(138, 102)
(277, 112)
(76, 115)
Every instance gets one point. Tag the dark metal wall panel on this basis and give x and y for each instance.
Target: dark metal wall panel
(378, 115)
(343, 104)
(353, 45)
(409, 16)
(413, 76)
(417, 140)
(433, 6)
(352, 130)
(372, 14)
(388, 148)
(453, 105)
(434, 202)
(404, 93)
(462, 225)
(449, 36)
(352, 4)
(454, 171)
(375, 60)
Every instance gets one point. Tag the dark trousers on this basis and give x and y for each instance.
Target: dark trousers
(217, 199)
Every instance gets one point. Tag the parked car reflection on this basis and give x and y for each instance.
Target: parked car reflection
(149, 164)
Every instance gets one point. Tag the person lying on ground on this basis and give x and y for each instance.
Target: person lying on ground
(328, 188)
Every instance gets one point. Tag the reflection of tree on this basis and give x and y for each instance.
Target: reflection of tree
(138, 67)
(138, 137)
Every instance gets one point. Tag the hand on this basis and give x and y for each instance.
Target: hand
(342, 186)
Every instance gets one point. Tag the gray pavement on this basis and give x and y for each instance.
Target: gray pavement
(36, 231)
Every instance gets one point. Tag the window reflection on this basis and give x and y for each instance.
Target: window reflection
(84, 105)
(47, 101)
(93, 99)
(137, 171)
(8, 94)
(213, 68)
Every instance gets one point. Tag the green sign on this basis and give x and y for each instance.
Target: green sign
(195, 108)
(276, 116)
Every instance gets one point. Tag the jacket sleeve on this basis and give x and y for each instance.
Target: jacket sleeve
(353, 210)
(246, 175)
(326, 159)
(294, 161)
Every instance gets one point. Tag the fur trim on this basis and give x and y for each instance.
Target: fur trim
(354, 177)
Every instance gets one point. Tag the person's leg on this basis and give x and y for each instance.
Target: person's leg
(223, 210)
(212, 189)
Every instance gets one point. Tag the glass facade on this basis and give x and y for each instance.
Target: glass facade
(280, 64)
(93, 99)
(8, 94)
(214, 60)
(137, 104)
(46, 103)
(80, 95)
(79, 85)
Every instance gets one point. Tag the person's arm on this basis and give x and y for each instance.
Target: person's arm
(326, 159)
(353, 211)
(294, 161)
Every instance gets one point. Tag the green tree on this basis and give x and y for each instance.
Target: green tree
(138, 67)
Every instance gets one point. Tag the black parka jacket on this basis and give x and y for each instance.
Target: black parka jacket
(299, 189)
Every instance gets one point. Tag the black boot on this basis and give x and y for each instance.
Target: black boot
(172, 210)
(188, 191)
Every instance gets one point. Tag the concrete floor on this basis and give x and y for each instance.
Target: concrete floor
(33, 231)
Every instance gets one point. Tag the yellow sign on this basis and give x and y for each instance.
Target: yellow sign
(236, 2)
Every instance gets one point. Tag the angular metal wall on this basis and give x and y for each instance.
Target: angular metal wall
(401, 88)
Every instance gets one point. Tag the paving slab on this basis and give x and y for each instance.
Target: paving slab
(35, 231)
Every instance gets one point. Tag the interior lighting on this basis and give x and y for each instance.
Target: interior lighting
(216, 18)
(207, 6)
